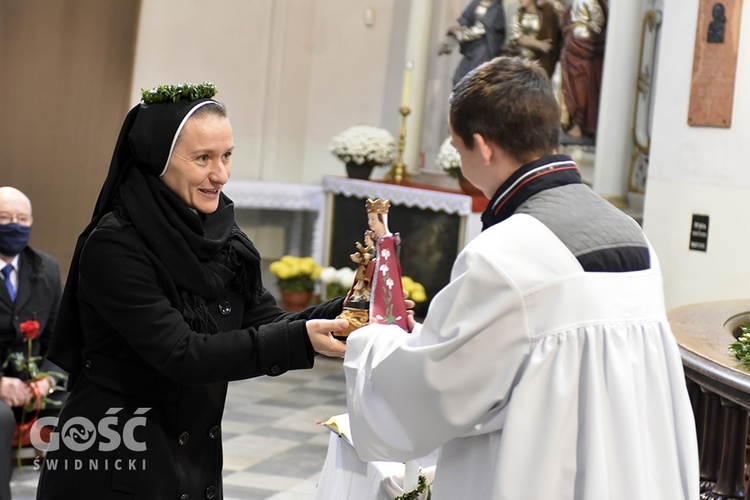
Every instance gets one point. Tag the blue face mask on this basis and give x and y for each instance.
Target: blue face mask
(13, 238)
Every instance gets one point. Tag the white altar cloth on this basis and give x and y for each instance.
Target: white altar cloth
(295, 198)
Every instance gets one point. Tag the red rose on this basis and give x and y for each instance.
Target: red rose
(30, 329)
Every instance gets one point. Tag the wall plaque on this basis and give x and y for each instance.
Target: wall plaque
(699, 233)
(714, 63)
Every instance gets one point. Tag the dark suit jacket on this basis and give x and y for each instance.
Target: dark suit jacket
(37, 298)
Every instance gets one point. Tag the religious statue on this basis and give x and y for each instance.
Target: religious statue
(581, 64)
(376, 294)
(480, 34)
(364, 257)
(718, 22)
(535, 33)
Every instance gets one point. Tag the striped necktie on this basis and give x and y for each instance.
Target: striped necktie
(6, 274)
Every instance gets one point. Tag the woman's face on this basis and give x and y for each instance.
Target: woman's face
(201, 162)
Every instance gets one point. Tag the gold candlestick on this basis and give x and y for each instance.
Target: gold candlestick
(398, 173)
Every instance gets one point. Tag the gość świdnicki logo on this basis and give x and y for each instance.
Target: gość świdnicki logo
(79, 434)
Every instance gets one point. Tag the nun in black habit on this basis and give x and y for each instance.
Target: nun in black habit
(163, 306)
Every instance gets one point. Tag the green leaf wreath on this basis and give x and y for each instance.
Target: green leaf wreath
(173, 93)
(415, 493)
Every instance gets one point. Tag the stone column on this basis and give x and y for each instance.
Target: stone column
(614, 144)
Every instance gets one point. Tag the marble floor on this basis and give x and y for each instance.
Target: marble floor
(273, 448)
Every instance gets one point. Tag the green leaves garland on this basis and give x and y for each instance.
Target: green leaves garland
(173, 93)
(741, 348)
(415, 493)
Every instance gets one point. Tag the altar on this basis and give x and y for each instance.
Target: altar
(434, 224)
(324, 221)
(295, 208)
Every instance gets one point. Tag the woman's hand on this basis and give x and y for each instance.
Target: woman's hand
(409, 305)
(321, 332)
(410, 321)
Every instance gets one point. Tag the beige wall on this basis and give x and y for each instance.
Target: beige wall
(293, 72)
(66, 79)
(698, 170)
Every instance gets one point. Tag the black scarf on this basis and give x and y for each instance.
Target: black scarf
(203, 253)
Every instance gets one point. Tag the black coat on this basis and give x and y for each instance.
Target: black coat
(142, 357)
(37, 298)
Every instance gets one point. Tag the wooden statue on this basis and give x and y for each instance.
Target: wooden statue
(376, 294)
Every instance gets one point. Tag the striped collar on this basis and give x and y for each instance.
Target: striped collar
(545, 173)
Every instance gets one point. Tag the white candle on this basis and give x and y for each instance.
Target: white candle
(411, 475)
(406, 90)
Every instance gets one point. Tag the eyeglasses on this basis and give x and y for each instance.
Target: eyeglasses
(23, 219)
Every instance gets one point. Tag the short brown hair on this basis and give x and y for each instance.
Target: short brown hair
(510, 102)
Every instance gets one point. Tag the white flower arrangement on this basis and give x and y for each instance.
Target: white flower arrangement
(364, 144)
(336, 282)
(448, 159)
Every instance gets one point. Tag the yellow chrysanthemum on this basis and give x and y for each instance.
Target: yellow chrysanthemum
(275, 267)
(295, 273)
(316, 272)
(415, 289)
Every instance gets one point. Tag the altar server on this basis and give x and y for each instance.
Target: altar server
(546, 368)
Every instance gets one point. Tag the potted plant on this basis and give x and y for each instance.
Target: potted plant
(740, 349)
(449, 161)
(363, 148)
(414, 289)
(295, 279)
(336, 282)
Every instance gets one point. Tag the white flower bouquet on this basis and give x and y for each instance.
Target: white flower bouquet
(363, 144)
(448, 159)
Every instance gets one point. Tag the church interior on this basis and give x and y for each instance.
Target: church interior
(298, 75)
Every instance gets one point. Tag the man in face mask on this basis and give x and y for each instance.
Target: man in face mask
(30, 291)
